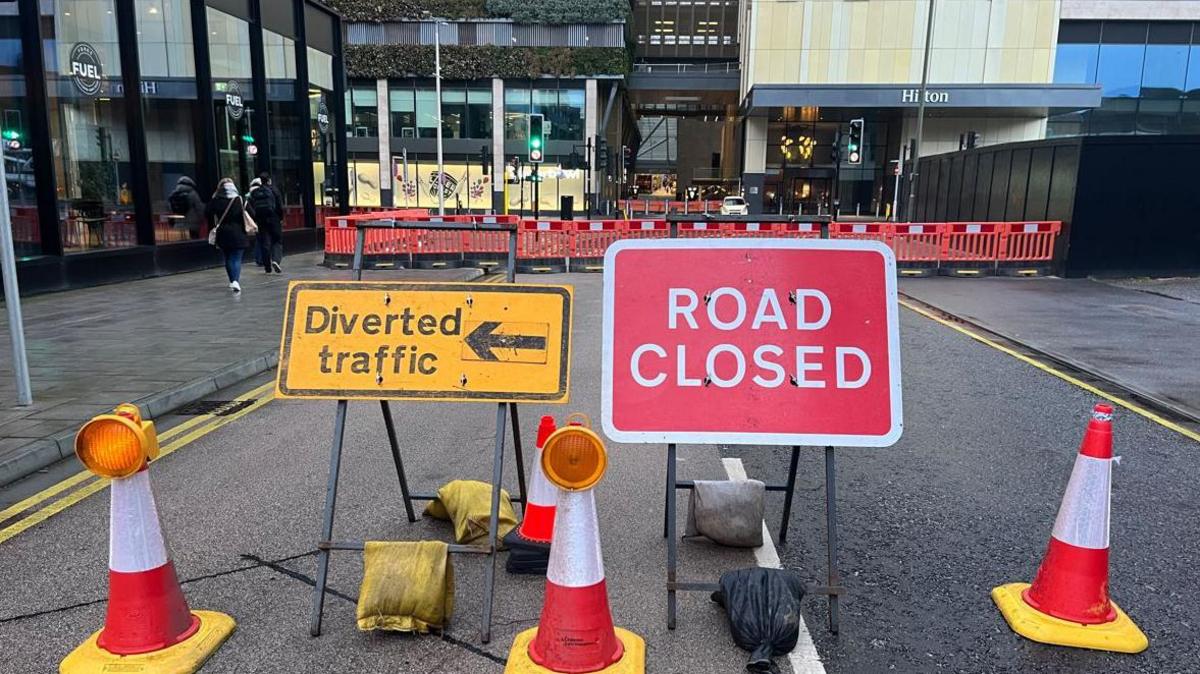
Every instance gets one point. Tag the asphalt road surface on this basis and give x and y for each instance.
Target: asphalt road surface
(964, 502)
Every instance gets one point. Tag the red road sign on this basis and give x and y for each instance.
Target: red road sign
(767, 341)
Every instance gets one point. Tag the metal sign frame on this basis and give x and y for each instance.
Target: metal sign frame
(832, 589)
(326, 544)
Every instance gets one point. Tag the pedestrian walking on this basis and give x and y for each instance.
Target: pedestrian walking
(260, 257)
(227, 212)
(268, 213)
(186, 203)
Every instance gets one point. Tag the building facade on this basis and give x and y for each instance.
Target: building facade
(107, 104)
(500, 62)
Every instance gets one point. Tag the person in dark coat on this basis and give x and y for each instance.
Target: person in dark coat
(185, 201)
(225, 214)
(268, 213)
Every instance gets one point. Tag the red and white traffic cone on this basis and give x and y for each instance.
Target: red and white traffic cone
(148, 621)
(529, 545)
(576, 633)
(1068, 602)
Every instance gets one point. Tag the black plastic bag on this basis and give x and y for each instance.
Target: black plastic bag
(764, 612)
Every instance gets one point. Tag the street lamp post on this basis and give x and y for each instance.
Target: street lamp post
(437, 85)
(916, 158)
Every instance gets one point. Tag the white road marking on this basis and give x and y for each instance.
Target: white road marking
(803, 658)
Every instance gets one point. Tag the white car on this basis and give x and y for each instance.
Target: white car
(734, 206)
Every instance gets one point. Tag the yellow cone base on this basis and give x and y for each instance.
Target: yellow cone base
(1120, 635)
(633, 660)
(185, 657)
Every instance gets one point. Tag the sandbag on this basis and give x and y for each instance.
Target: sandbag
(468, 504)
(763, 606)
(407, 586)
(728, 512)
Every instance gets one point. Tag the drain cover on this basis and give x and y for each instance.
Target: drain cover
(219, 408)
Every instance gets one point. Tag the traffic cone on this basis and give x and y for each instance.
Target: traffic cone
(148, 626)
(1068, 602)
(576, 633)
(529, 544)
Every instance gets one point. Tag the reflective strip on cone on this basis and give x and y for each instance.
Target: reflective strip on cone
(135, 541)
(575, 558)
(1083, 518)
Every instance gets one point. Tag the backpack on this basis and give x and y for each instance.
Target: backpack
(262, 200)
(179, 202)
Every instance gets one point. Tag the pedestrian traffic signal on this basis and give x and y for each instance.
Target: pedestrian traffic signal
(854, 144)
(536, 139)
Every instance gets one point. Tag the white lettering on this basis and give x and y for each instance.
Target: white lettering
(761, 361)
(769, 311)
(674, 309)
(801, 322)
(803, 367)
(636, 369)
(840, 354)
(681, 377)
(712, 308)
(710, 365)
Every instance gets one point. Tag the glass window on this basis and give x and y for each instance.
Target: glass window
(1192, 85)
(545, 102)
(233, 96)
(454, 112)
(1158, 116)
(1115, 115)
(465, 186)
(479, 113)
(568, 119)
(87, 125)
(1076, 63)
(170, 107)
(285, 119)
(14, 133)
(403, 111)
(1120, 69)
(364, 111)
(364, 180)
(426, 113)
(516, 113)
(322, 109)
(1165, 70)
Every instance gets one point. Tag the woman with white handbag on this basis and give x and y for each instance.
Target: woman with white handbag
(232, 226)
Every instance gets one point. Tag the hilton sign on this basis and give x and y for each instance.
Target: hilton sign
(914, 95)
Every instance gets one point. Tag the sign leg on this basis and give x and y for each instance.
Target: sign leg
(831, 536)
(489, 573)
(787, 496)
(516, 432)
(335, 464)
(669, 497)
(391, 433)
(672, 539)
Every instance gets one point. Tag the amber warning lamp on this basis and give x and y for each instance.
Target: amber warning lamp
(117, 444)
(574, 457)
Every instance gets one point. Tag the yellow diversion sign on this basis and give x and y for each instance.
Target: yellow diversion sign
(426, 341)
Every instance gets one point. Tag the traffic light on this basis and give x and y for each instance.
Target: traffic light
(12, 139)
(537, 140)
(485, 159)
(836, 154)
(854, 144)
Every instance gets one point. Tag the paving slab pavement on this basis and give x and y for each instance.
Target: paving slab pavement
(1145, 342)
(160, 342)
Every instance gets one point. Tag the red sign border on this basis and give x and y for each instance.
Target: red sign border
(751, 438)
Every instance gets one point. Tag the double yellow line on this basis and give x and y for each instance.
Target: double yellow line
(170, 440)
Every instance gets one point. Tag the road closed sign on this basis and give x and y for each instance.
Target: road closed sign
(754, 341)
(426, 341)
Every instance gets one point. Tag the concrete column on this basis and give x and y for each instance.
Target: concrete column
(385, 142)
(498, 145)
(754, 163)
(591, 124)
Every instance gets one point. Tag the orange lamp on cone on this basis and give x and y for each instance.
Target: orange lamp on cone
(1068, 603)
(148, 626)
(576, 633)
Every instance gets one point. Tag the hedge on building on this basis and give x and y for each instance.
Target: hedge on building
(374, 61)
(521, 11)
(559, 11)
